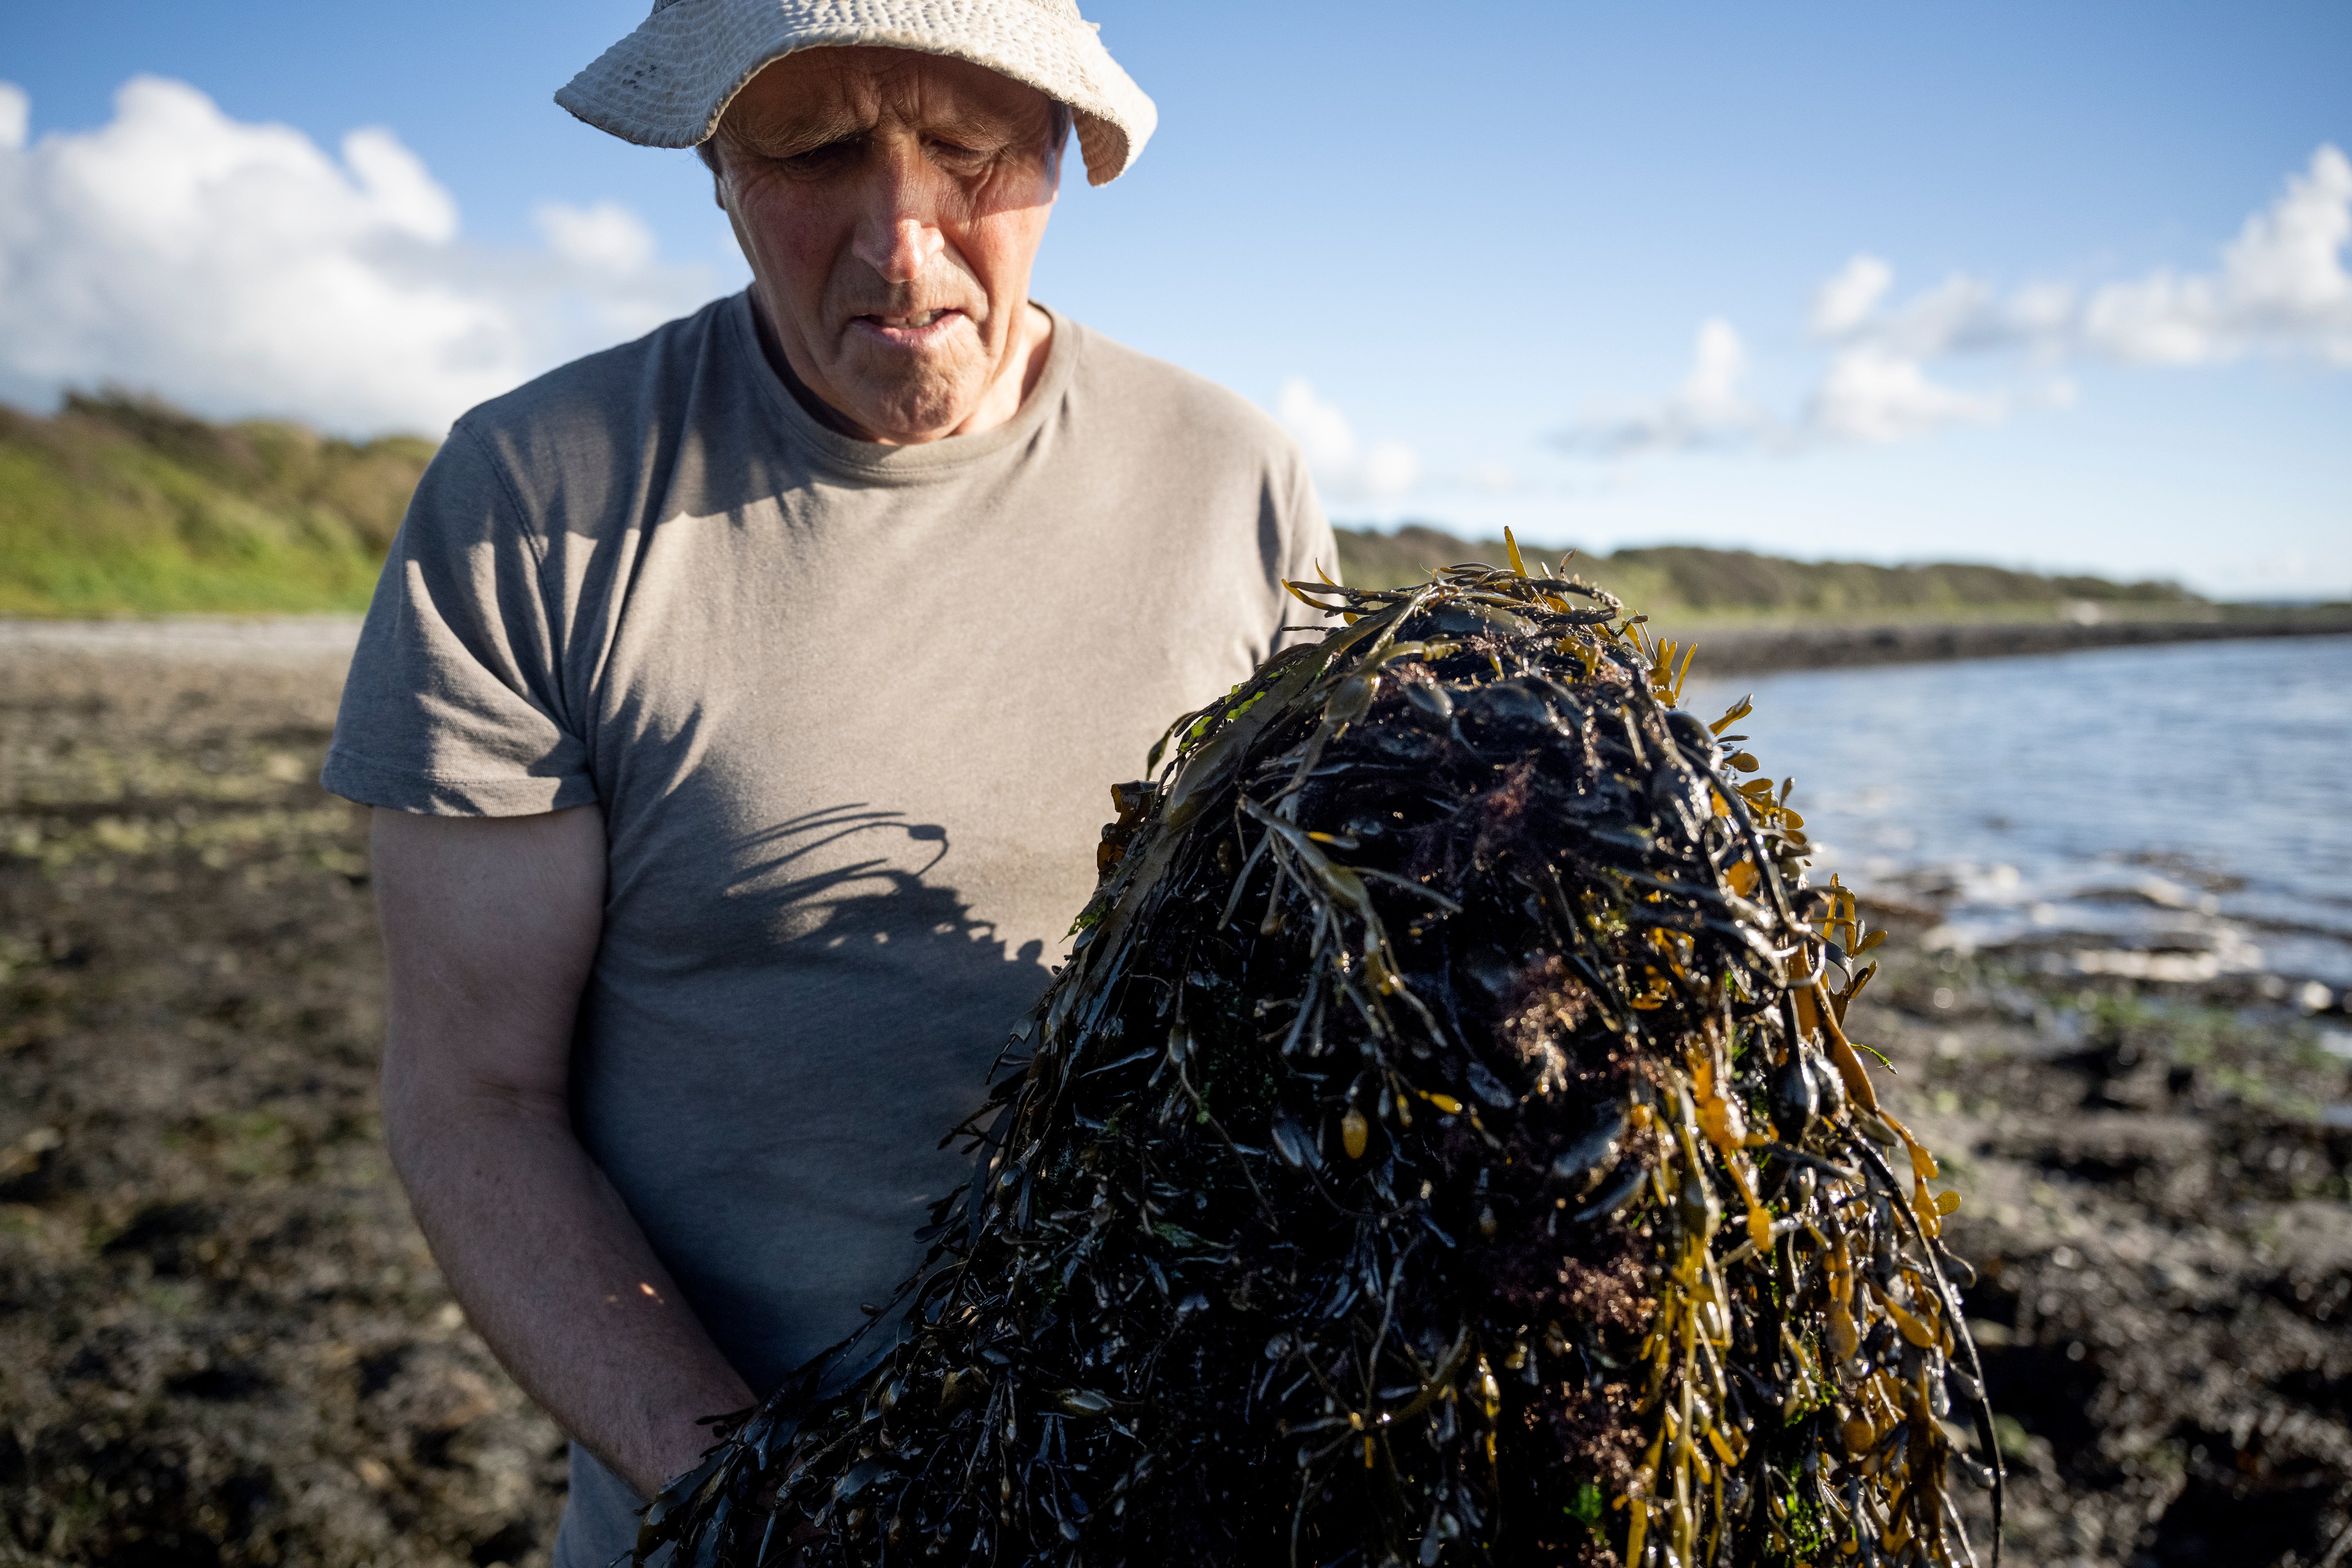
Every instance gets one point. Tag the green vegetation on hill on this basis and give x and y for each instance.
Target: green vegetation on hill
(119, 505)
(1686, 581)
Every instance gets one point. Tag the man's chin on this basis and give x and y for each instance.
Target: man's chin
(926, 411)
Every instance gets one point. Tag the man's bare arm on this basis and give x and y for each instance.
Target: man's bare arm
(490, 927)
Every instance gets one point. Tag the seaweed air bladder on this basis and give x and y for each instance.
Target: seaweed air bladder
(1442, 1146)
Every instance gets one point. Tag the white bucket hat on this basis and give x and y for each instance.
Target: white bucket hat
(667, 84)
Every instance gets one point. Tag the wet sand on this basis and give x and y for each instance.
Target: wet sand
(222, 1340)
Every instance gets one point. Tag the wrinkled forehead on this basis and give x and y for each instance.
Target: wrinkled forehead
(813, 96)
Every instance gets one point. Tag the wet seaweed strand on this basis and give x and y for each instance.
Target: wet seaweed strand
(1442, 1146)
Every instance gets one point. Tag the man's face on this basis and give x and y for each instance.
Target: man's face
(890, 205)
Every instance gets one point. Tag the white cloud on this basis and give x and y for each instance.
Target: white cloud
(1710, 393)
(1873, 395)
(2282, 288)
(607, 237)
(1959, 315)
(15, 116)
(1344, 469)
(1709, 408)
(238, 268)
(1846, 301)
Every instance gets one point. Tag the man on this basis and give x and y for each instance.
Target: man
(740, 705)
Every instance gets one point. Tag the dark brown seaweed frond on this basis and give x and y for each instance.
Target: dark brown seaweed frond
(1441, 1147)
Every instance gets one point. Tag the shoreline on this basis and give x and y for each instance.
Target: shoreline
(1772, 649)
(1725, 650)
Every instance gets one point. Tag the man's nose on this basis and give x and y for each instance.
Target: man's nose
(898, 247)
(899, 233)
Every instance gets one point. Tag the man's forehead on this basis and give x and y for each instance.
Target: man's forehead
(834, 89)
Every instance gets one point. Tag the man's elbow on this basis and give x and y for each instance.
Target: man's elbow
(436, 1118)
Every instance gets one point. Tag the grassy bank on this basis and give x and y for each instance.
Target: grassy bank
(119, 506)
(1683, 584)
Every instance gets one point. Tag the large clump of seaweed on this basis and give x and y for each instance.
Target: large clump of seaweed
(1442, 1146)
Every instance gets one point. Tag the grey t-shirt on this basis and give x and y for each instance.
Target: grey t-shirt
(851, 713)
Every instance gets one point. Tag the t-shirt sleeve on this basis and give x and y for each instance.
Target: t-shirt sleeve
(454, 702)
(1312, 544)
(1309, 553)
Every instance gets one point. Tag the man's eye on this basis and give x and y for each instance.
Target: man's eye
(830, 155)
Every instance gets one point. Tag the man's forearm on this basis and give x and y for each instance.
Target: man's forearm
(490, 932)
(559, 1279)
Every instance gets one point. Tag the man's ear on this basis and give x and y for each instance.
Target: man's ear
(707, 151)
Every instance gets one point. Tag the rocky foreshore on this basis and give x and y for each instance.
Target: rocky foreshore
(222, 1341)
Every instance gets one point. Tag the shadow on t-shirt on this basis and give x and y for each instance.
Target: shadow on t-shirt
(869, 939)
(774, 1108)
(840, 899)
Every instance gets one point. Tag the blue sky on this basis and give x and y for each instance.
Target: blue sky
(1471, 253)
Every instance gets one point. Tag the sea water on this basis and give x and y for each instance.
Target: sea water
(2173, 813)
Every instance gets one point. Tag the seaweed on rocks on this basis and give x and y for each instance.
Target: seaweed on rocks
(1442, 1146)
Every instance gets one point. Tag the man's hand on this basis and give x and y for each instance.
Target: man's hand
(490, 927)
